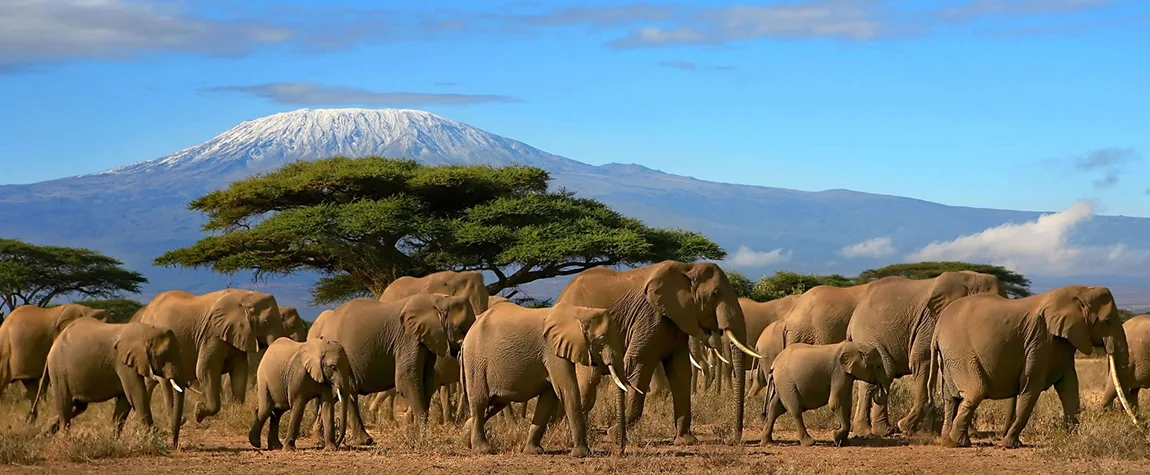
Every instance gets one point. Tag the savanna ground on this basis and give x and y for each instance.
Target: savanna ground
(1106, 442)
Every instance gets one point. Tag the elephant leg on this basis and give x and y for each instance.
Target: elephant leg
(208, 374)
(1025, 406)
(1011, 405)
(239, 378)
(297, 410)
(795, 408)
(920, 395)
(773, 407)
(120, 413)
(588, 388)
(327, 407)
(960, 429)
(478, 422)
(1067, 390)
(31, 388)
(359, 434)
(1133, 399)
(548, 401)
(274, 430)
(565, 385)
(678, 368)
(862, 412)
(949, 409)
(263, 412)
(1109, 394)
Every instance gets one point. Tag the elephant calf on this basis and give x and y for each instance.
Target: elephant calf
(514, 354)
(805, 377)
(92, 361)
(292, 374)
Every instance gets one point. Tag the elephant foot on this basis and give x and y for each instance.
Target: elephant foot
(330, 447)
(580, 451)
(533, 449)
(766, 441)
(275, 445)
(254, 438)
(840, 438)
(806, 441)
(948, 442)
(883, 429)
(905, 426)
(1010, 443)
(686, 439)
(482, 448)
(290, 446)
(861, 428)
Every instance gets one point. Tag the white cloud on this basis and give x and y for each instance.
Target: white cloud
(746, 257)
(1040, 247)
(874, 247)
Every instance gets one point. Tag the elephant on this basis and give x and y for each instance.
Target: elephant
(658, 307)
(515, 354)
(446, 373)
(770, 344)
(468, 284)
(1137, 330)
(26, 337)
(293, 325)
(395, 345)
(216, 331)
(758, 315)
(990, 347)
(93, 361)
(805, 377)
(821, 315)
(896, 315)
(294, 373)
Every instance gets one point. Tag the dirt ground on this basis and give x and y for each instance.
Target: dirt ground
(207, 452)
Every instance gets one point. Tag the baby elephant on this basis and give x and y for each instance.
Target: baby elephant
(805, 377)
(290, 375)
(92, 361)
(514, 354)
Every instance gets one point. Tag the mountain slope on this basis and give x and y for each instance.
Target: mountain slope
(138, 211)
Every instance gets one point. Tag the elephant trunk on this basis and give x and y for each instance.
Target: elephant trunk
(177, 415)
(740, 394)
(730, 317)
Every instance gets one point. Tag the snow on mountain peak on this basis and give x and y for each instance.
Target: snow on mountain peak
(310, 134)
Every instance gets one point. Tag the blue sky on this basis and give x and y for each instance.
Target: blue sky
(1021, 104)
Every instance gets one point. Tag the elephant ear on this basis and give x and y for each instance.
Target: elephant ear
(311, 357)
(133, 348)
(567, 335)
(671, 293)
(948, 287)
(1065, 317)
(853, 359)
(231, 320)
(424, 321)
(66, 315)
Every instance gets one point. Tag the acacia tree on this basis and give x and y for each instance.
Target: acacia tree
(785, 283)
(362, 223)
(36, 275)
(1016, 285)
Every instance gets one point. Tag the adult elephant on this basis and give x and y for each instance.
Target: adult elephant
(1137, 330)
(466, 284)
(896, 316)
(658, 307)
(758, 316)
(991, 347)
(216, 331)
(26, 337)
(294, 329)
(395, 345)
(821, 315)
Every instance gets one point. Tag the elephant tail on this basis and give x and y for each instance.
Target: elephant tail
(39, 394)
(5, 355)
(770, 393)
(463, 401)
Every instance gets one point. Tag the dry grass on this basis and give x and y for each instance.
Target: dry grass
(1102, 435)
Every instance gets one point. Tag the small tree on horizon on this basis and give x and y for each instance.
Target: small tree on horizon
(362, 223)
(37, 275)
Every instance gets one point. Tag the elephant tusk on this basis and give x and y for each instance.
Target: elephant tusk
(176, 386)
(731, 336)
(338, 397)
(615, 377)
(720, 356)
(693, 362)
(1120, 390)
(633, 388)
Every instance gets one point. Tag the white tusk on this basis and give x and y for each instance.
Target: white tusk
(693, 362)
(615, 377)
(338, 397)
(632, 386)
(1120, 390)
(731, 336)
(720, 356)
(176, 386)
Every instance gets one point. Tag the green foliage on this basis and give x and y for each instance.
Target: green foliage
(785, 283)
(744, 288)
(1124, 314)
(119, 310)
(1016, 285)
(362, 223)
(36, 275)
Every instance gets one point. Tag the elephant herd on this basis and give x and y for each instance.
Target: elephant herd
(957, 336)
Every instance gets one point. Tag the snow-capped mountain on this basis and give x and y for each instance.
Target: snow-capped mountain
(138, 211)
(271, 141)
